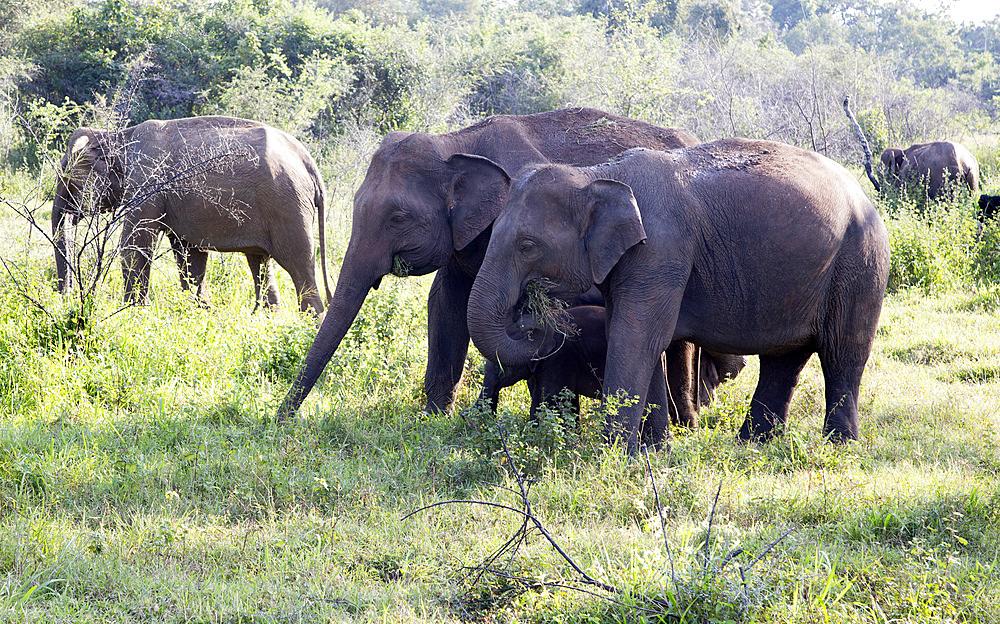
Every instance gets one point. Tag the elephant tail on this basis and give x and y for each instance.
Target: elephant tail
(972, 180)
(320, 200)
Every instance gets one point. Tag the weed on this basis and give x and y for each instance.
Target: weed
(555, 437)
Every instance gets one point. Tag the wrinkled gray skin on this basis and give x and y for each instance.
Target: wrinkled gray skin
(933, 165)
(739, 246)
(576, 362)
(260, 200)
(424, 206)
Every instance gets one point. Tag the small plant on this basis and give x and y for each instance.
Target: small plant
(280, 357)
(702, 592)
(554, 437)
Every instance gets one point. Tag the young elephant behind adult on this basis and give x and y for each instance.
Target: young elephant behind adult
(576, 362)
(209, 183)
(739, 246)
(936, 165)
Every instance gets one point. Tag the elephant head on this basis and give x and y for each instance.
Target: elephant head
(715, 368)
(418, 205)
(893, 160)
(589, 223)
(90, 179)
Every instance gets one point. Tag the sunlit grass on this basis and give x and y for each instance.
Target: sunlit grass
(143, 477)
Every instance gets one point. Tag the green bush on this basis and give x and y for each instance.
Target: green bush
(935, 246)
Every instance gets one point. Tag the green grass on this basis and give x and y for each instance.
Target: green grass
(143, 478)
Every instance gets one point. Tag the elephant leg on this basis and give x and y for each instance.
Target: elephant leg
(537, 391)
(491, 386)
(264, 285)
(680, 357)
(843, 352)
(773, 396)
(638, 334)
(842, 377)
(655, 428)
(303, 274)
(496, 378)
(193, 264)
(294, 252)
(447, 336)
(137, 241)
(630, 357)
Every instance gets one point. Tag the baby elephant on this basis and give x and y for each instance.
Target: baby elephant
(577, 364)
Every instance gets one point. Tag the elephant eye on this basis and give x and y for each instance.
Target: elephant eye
(399, 217)
(528, 248)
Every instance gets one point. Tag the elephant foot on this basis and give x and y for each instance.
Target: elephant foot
(267, 307)
(687, 418)
(759, 430)
(202, 302)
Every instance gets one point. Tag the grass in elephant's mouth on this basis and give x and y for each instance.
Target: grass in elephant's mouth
(400, 267)
(549, 311)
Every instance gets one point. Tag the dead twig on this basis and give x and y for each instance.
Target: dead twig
(864, 143)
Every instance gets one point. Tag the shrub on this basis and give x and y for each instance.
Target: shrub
(933, 245)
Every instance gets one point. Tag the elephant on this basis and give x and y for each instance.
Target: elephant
(210, 183)
(422, 207)
(935, 165)
(738, 246)
(989, 207)
(576, 362)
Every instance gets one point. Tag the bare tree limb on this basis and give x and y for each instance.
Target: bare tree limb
(864, 143)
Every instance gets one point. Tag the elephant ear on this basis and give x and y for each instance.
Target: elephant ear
(81, 156)
(476, 194)
(95, 150)
(615, 225)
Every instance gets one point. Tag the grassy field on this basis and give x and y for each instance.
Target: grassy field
(143, 479)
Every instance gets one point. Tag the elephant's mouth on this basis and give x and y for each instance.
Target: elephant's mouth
(400, 267)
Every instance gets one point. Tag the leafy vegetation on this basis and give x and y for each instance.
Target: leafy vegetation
(143, 477)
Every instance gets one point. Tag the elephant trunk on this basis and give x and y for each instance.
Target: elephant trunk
(492, 307)
(352, 288)
(60, 209)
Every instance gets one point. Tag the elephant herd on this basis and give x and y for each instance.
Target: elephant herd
(677, 258)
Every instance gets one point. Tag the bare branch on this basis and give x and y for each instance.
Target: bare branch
(864, 143)
(659, 511)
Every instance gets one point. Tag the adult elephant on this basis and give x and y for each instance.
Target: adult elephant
(738, 246)
(425, 206)
(933, 165)
(210, 183)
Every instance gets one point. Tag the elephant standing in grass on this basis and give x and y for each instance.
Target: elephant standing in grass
(425, 206)
(932, 165)
(209, 183)
(738, 246)
(576, 361)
